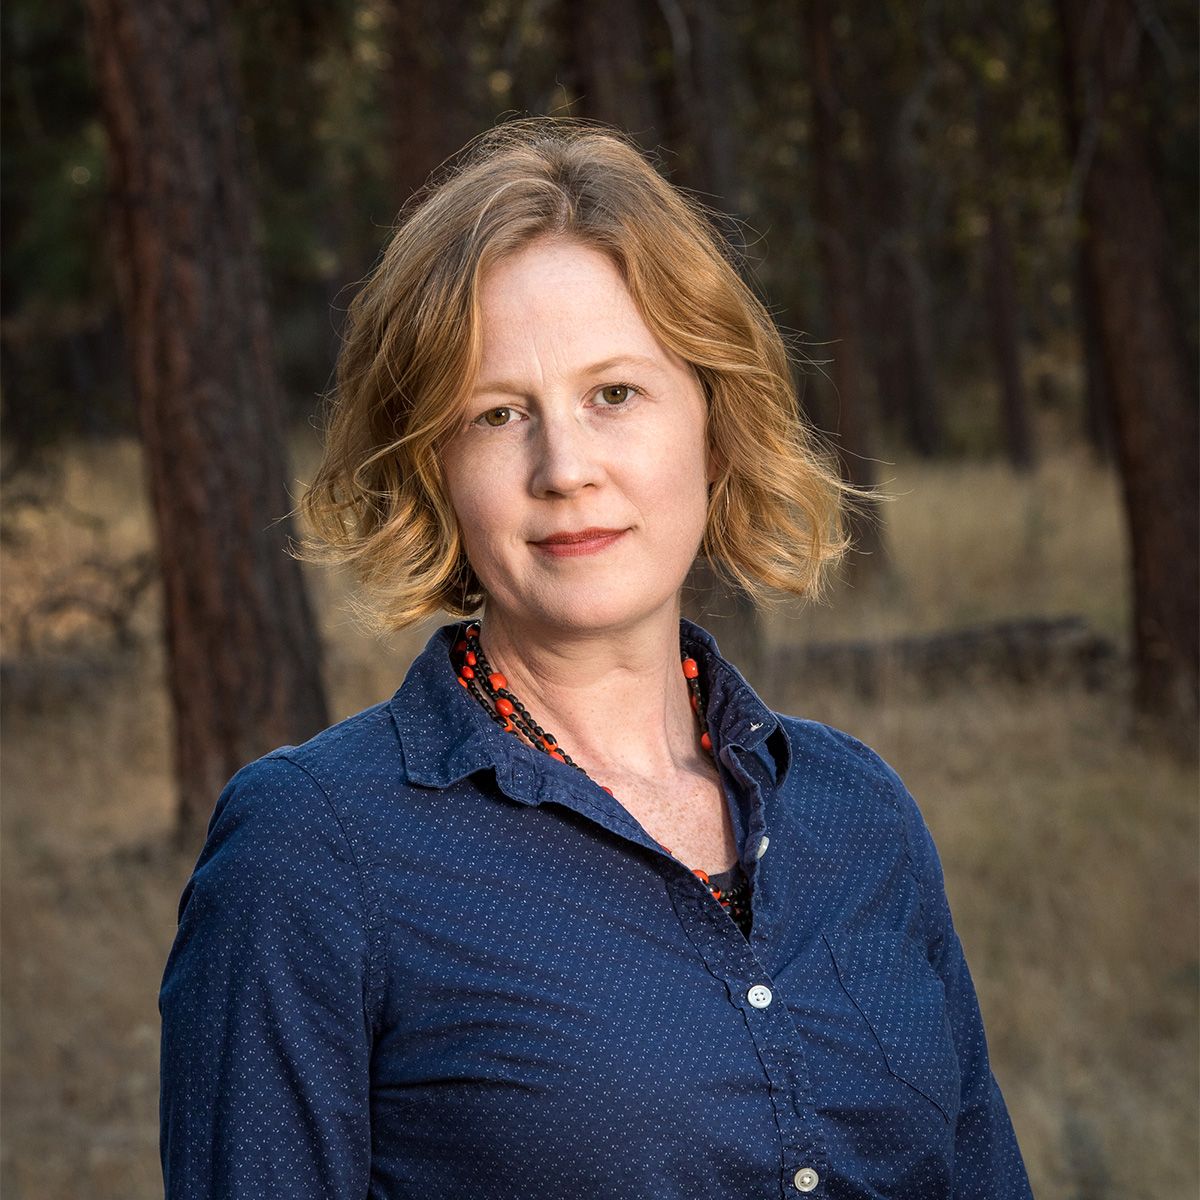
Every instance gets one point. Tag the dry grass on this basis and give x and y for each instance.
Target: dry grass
(1070, 860)
(972, 542)
(1070, 850)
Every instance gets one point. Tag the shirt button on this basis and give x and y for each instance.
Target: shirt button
(762, 846)
(806, 1179)
(759, 995)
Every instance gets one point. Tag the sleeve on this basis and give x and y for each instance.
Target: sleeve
(266, 1036)
(987, 1161)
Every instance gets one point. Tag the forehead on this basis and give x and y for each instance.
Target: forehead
(556, 307)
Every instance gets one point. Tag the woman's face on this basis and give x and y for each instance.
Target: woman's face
(580, 420)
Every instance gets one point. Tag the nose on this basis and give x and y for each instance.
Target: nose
(566, 458)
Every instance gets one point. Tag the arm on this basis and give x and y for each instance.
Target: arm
(266, 1038)
(987, 1163)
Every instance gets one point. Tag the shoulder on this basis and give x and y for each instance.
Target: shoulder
(270, 814)
(835, 773)
(299, 800)
(358, 757)
(815, 744)
(365, 741)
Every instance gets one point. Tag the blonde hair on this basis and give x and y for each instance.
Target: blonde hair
(411, 351)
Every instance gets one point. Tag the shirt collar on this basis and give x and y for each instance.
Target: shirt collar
(445, 734)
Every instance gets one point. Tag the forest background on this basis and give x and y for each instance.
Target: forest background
(976, 225)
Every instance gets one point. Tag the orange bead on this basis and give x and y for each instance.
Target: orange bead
(509, 727)
(690, 669)
(497, 681)
(504, 707)
(604, 789)
(706, 741)
(702, 874)
(557, 754)
(471, 657)
(467, 673)
(463, 682)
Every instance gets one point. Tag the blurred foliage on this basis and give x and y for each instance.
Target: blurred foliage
(62, 371)
(314, 77)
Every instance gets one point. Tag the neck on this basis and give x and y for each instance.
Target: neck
(617, 702)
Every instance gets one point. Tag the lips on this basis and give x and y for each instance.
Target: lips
(583, 535)
(577, 542)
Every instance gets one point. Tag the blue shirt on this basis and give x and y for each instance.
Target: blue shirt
(417, 958)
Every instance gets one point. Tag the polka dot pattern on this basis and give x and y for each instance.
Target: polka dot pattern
(416, 958)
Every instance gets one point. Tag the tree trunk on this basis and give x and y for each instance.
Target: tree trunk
(901, 327)
(1097, 404)
(1003, 306)
(1098, 421)
(611, 66)
(1148, 374)
(1006, 339)
(431, 87)
(242, 650)
(831, 207)
(894, 75)
(709, 71)
(717, 75)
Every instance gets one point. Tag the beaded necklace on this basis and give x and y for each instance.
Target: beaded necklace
(491, 689)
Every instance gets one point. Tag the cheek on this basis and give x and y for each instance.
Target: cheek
(467, 496)
(466, 475)
(682, 485)
(476, 493)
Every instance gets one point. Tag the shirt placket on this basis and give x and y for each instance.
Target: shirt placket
(730, 958)
(751, 989)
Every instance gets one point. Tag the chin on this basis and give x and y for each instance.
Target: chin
(592, 610)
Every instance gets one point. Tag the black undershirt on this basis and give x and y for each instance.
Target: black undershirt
(735, 888)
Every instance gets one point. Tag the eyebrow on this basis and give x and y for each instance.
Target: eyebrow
(607, 364)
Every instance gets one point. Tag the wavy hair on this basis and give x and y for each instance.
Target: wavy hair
(411, 349)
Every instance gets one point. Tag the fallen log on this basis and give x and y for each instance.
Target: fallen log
(1024, 650)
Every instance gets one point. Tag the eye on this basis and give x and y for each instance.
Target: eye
(497, 418)
(607, 398)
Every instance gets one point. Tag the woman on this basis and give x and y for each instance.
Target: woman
(573, 913)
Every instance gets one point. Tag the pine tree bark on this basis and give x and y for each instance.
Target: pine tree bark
(611, 66)
(717, 74)
(1004, 324)
(1097, 417)
(1098, 420)
(905, 378)
(1004, 328)
(893, 78)
(242, 649)
(431, 92)
(843, 292)
(1148, 375)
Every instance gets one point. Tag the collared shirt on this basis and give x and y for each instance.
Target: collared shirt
(418, 958)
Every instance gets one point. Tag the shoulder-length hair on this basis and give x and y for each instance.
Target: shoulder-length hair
(411, 350)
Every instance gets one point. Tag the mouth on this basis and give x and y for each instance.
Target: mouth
(569, 544)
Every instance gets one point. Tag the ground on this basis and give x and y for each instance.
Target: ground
(1068, 840)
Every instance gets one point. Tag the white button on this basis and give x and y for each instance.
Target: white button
(759, 995)
(762, 846)
(806, 1179)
